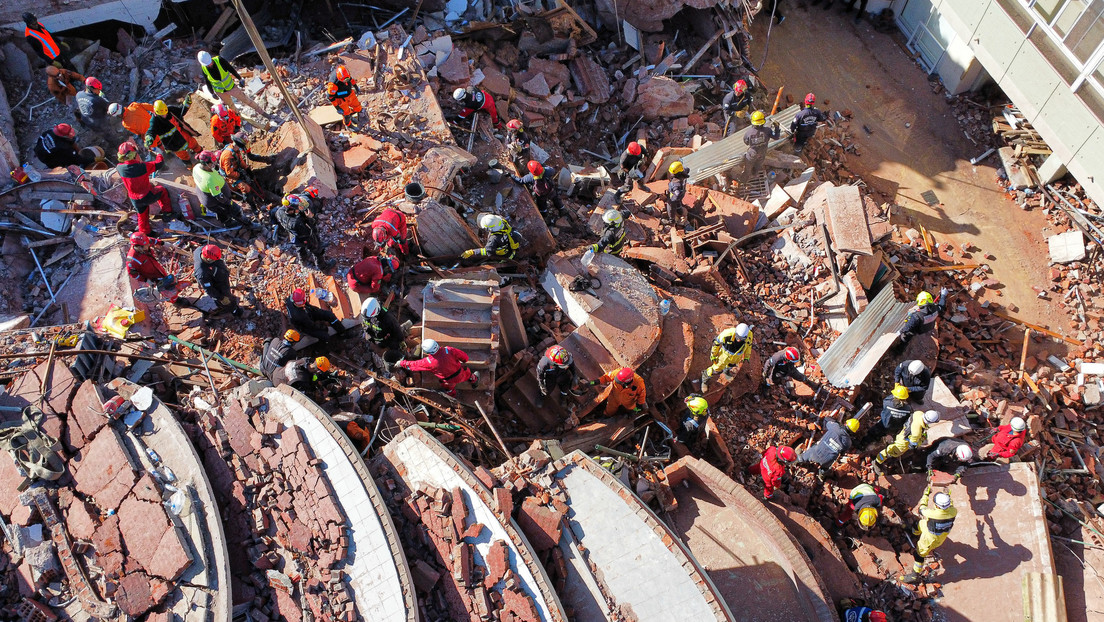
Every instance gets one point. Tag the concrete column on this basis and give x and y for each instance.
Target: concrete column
(1052, 169)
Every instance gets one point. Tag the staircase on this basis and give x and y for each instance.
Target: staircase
(464, 314)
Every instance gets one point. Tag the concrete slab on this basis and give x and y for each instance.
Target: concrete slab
(847, 219)
(777, 202)
(1067, 247)
(797, 186)
(326, 115)
(952, 413)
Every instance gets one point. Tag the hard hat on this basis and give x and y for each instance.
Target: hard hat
(634, 148)
(697, 405)
(739, 87)
(676, 167)
(430, 346)
(868, 517)
(877, 616)
(211, 252)
(206, 157)
(558, 355)
(758, 118)
(514, 124)
(900, 392)
(298, 297)
(787, 454)
(1018, 424)
(65, 130)
(371, 308)
(810, 99)
(492, 222)
(220, 110)
(160, 108)
(290, 200)
(204, 58)
(791, 354)
(115, 110)
(612, 217)
(292, 335)
(535, 168)
(924, 298)
(342, 72)
(916, 367)
(30, 19)
(52, 71)
(625, 375)
(93, 83)
(742, 330)
(139, 239)
(322, 363)
(379, 235)
(312, 191)
(964, 453)
(239, 139)
(942, 500)
(127, 150)
(931, 416)
(852, 425)
(458, 94)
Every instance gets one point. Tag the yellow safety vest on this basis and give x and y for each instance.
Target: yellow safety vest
(223, 84)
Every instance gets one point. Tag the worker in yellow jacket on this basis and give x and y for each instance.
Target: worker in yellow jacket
(910, 437)
(730, 349)
(935, 524)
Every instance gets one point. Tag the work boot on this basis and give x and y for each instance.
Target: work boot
(912, 578)
(878, 469)
(474, 380)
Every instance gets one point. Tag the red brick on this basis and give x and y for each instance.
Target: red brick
(541, 524)
(498, 562)
(504, 503)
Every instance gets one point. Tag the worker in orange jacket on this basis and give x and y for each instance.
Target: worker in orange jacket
(224, 122)
(63, 85)
(342, 92)
(627, 393)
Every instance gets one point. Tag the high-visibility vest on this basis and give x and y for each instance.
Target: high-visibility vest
(49, 46)
(223, 84)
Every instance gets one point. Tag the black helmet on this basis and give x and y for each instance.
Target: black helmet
(239, 139)
(30, 19)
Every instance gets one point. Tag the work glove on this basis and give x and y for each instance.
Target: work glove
(942, 291)
(592, 383)
(225, 300)
(467, 254)
(166, 282)
(148, 141)
(912, 445)
(690, 424)
(637, 410)
(241, 83)
(774, 125)
(930, 473)
(294, 239)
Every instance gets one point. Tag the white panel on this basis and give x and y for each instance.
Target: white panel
(1088, 165)
(1065, 123)
(963, 15)
(956, 63)
(1035, 77)
(996, 41)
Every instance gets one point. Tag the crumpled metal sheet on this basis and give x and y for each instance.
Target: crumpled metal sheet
(851, 357)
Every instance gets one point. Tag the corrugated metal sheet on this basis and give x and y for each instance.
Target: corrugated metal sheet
(725, 154)
(1043, 598)
(861, 346)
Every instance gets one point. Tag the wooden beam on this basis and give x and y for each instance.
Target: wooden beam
(220, 24)
(1038, 329)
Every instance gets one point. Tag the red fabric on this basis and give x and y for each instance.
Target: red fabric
(143, 266)
(444, 364)
(393, 222)
(772, 471)
(488, 106)
(1006, 442)
(367, 276)
(222, 130)
(136, 177)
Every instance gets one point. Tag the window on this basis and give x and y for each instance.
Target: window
(1077, 26)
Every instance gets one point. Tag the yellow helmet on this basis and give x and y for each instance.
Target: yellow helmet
(924, 298)
(758, 118)
(852, 425)
(160, 108)
(900, 392)
(676, 167)
(868, 517)
(697, 405)
(322, 363)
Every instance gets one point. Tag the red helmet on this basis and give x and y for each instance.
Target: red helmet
(810, 99)
(299, 297)
(211, 252)
(787, 454)
(379, 235)
(94, 83)
(206, 157)
(535, 168)
(558, 355)
(514, 124)
(342, 72)
(312, 191)
(791, 354)
(127, 150)
(739, 87)
(877, 616)
(634, 148)
(625, 375)
(65, 130)
(139, 239)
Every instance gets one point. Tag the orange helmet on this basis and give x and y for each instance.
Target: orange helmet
(211, 252)
(634, 148)
(312, 191)
(535, 168)
(625, 375)
(342, 73)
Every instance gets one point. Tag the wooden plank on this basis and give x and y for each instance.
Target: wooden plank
(1038, 329)
(46, 195)
(220, 24)
(50, 242)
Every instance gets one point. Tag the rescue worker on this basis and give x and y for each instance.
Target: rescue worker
(947, 453)
(315, 377)
(911, 436)
(220, 75)
(542, 185)
(895, 408)
(613, 234)
(136, 117)
(44, 45)
(863, 502)
(474, 100)
(737, 102)
(371, 274)
(555, 369)
(309, 319)
(168, 129)
(862, 613)
(629, 167)
(922, 319)
(518, 144)
(862, 9)
(144, 267)
(239, 175)
(57, 147)
(782, 365)
(676, 191)
(92, 112)
(381, 327)
(298, 221)
(730, 349)
(277, 353)
(915, 377)
(224, 123)
(757, 140)
(626, 393)
(135, 174)
(936, 521)
(213, 197)
(342, 92)
(502, 241)
(836, 440)
(804, 125)
(1006, 442)
(447, 363)
(694, 421)
(389, 232)
(64, 85)
(214, 277)
(772, 467)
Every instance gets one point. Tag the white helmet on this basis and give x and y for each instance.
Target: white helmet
(942, 500)
(931, 417)
(219, 110)
(430, 346)
(115, 110)
(612, 217)
(371, 308)
(916, 367)
(204, 58)
(1018, 424)
(964, 453)
(742, 330)
(492, 223)
(458, 94)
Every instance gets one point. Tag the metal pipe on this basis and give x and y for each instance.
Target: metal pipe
(52, 300)
(50, 289)
(505, 449)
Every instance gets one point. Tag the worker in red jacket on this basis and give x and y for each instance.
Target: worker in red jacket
(389, 232)
(1007, 441)
(772, 467)
(135, 174)
(371, 274)
(448, 364)
(143, 266)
